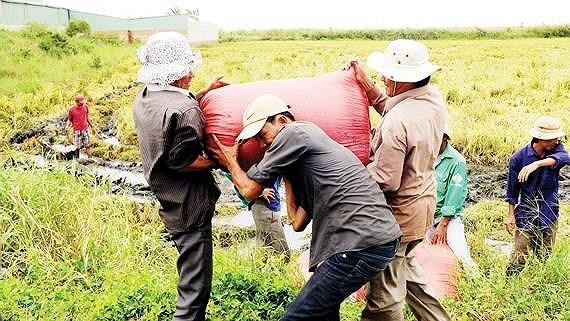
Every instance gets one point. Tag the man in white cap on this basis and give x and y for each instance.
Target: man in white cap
(170, 126)
(451, 178)
(404, 149)
(532, 192)
(354, 235)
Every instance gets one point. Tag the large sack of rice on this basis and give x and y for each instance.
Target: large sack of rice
(334, 102)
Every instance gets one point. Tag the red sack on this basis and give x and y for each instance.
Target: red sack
(334, 102)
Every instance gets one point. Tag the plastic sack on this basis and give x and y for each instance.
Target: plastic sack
(440, 267)
(335, 102)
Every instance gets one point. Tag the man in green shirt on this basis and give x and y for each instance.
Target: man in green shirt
(451, 177)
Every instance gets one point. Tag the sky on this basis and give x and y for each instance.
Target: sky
(267, 14)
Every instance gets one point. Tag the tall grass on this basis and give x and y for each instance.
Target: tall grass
(73, 251)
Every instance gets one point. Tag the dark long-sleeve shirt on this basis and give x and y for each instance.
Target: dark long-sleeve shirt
(536, 199)
(170, 126)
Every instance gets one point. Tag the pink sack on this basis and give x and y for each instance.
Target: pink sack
(334, 102)
(440, 268)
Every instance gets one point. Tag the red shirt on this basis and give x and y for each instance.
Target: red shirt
(78, 115)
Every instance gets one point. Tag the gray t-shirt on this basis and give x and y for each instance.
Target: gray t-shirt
(348, 209)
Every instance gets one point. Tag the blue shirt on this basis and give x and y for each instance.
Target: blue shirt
(273, 205)
(536, 199)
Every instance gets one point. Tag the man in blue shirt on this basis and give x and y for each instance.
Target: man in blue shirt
(532, 192)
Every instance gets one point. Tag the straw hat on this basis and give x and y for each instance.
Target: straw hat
(546, 128)
(165, 58)
(403, 61)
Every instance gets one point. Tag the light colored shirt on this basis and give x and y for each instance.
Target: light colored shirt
(404, 148)
(451, 177)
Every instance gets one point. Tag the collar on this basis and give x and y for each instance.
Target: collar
(447, 153)
(155, 87)
(393, 101)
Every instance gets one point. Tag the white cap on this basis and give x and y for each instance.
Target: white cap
(257, 112)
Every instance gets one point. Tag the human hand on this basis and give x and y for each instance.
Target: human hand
(268, 194)
(217, 83)
(224, 155)
(440, 234)
(526, 171)
(510, 223)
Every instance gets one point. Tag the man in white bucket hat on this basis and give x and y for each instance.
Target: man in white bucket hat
(532, 192)
(170, 125)
(354, 234)
(404, 148)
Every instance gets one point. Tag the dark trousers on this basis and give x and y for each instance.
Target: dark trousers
(335, 279)
(194, 273)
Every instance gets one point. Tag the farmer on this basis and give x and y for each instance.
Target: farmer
(404, 150)
(532, 192)
(354, 234)
(78, 120)
(265, 211)
(170, 125)
(451, 178)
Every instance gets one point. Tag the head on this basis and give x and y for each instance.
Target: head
(404, 65)
(264, 118)
(444, 142)
(167, 59)
(546, 132)
(79, 100)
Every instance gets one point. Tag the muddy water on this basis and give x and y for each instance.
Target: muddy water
(126, 178)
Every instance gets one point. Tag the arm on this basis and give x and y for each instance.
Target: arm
(215, 84)
(530, 168)
(376, 98)
(513, 192)
(183, 146)
(510, 222)
(201, 163)
(227, 156)
(297, 214)
(456, 191)
(69, 118)
(560, 155)
(287, 148)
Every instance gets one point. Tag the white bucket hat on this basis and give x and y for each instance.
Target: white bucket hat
(403, 61)
(166, 57)
(546, 128)
(257, 112)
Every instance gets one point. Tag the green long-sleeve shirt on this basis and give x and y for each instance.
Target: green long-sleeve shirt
(451, 176)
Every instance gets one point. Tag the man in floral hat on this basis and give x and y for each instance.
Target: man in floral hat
(170, 130)
(404, 149)
(532, 192)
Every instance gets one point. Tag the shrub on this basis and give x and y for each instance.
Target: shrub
(78, 27)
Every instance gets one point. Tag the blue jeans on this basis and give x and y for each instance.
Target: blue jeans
(336, 278)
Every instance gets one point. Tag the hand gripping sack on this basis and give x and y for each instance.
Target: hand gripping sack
(335, 102)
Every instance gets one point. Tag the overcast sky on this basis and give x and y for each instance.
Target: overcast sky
(264, 14)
